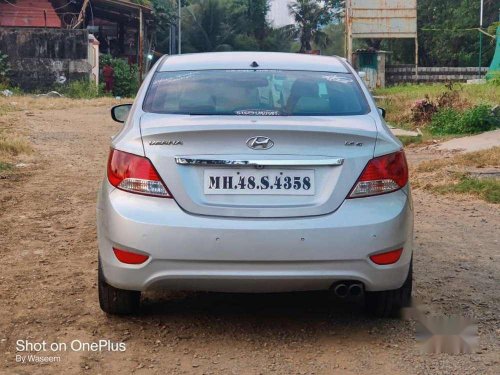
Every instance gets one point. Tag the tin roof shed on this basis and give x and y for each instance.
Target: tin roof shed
(28, 13)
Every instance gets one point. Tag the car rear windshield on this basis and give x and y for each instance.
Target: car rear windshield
(255, 93)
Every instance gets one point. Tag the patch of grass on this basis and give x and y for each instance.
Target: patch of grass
(453, 175)
(478, 159)
(5, 166)
(408, 140)
(13, 145)
(398, 100)
(83, 89)
(487, 189)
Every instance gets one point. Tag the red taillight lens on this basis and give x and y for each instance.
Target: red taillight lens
(130, 257)
(135, 174)
(387, 258)
(381, 175)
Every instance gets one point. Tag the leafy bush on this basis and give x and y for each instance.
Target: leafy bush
(478, 119)
(445, 121)
(126, 77)
(494, 78)
(83, 89)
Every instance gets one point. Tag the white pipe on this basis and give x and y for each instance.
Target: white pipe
(481, 14)
(179, 16)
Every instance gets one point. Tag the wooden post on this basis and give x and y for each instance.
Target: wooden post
(348, 24)
(81, 15)
(141, 52)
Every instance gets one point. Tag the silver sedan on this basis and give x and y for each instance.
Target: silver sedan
(254, 172)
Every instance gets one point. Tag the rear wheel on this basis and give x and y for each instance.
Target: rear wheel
(116, 301)
(388, 303)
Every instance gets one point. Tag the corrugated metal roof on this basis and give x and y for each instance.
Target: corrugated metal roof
(29, 13)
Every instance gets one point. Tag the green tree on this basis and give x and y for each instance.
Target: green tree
(207, 27)
(311, 16)
(224, 25)
(444, 37)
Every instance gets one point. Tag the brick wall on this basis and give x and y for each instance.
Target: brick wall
(395, 74)
(39, 57)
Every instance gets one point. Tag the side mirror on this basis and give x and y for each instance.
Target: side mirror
(119, 113)
(362, 74)
(381, 111)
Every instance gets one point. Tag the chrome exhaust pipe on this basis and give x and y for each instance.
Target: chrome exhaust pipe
(355, 290)
(341, 290)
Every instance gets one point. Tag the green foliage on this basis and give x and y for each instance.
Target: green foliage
(244, 42)
(5, 166)
(226, 25)
(443, 36)
(4, 69)
(488, 189)
(126, 77)
(494, 78)
(311, 16)
(15, 90)
(335, 40)
(83, 89)
(207, 26)
(478, 119)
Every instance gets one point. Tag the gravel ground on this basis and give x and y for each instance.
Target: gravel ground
(48, 282)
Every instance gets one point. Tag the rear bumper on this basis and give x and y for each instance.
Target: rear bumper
(189, 252)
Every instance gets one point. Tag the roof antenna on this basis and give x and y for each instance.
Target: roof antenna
(254, 64)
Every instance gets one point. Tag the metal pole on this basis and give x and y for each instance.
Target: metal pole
(480, 38)
(179, 26)
(141, 46)
(170, 40)
(416, 59)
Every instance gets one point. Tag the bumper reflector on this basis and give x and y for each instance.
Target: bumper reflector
(130, 257)
(387, 258)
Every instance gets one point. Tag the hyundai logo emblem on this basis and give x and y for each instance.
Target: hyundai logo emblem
(260, 143)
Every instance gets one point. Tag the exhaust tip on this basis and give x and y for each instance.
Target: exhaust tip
(341, 290)
(355, 290)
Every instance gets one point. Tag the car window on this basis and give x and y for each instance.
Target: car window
(255, 92)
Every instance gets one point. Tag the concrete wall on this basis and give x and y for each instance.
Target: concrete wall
(41, 57)
(406, 73)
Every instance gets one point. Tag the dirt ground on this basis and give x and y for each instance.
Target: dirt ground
(48, 282)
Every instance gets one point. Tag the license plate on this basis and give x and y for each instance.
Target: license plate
(259, 182)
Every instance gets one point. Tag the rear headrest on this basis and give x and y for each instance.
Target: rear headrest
(301, 88)
(196, 101)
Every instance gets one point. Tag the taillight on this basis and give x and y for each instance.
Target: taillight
(129, 257)
(135, 174)
(381, 175)
(387, 258)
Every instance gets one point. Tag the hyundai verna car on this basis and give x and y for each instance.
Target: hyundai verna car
(254, 172)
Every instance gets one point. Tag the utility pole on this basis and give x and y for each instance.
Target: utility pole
(140, 55)
(481, 38)
(179, 51)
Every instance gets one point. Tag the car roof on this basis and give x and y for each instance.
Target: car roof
(245, 60)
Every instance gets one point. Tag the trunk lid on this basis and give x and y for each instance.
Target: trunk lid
(303, 146)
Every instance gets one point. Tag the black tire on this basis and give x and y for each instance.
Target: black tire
(116, 301)
(388, 303)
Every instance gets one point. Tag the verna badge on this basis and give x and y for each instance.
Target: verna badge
(167, 142)
(260, 143)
